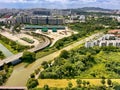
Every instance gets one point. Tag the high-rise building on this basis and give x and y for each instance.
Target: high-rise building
(52, 21)
(42, 12)
(41, 20)
(57, 12)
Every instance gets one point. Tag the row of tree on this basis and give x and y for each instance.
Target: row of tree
(106, 84)
(5, 73)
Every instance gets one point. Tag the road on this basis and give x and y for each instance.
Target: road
(19, 55)
(20, 74)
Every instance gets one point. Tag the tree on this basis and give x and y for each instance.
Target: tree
(32, 75)
(5, 67)
(109, 82)
(103, 81)
(116, 86)
(32, 83)
(64, 54)
(88, 83)
(46, 87)
(68, 70)
(1, 55)
(1, 80)
(37, 71)
(74, 37)
(84, 83)
(79, 82)
(28, 57)
(70, 85)
(45, 64)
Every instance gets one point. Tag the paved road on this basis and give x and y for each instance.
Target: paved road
(20, 74)
(17, 56)
(5, 51)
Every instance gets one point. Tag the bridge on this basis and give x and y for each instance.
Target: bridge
(16, 58)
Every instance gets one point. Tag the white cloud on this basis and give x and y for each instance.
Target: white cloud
(37, 1)
(19, 1)
(88, 0)
(61, 3)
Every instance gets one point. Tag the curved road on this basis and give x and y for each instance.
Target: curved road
(20, 74)
(19, 55)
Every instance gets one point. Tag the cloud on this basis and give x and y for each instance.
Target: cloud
(19, 1)
(37, 1)
(60, 3)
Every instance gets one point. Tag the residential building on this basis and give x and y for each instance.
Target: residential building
(41, 20)
(115, 32)
(106, 40)
(42, 12)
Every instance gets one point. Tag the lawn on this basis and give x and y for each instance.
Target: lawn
(62, 83)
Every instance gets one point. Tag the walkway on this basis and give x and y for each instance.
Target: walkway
(20, 74)
(5, 51)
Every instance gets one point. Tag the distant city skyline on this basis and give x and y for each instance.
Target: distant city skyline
(59, 4)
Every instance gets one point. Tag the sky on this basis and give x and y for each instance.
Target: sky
(60, 4)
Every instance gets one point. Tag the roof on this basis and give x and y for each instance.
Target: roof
(114, 31)
(44, 29)
(41, 27)
(54, 30)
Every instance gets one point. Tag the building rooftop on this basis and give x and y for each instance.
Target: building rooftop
(114, 31)
(42, 27)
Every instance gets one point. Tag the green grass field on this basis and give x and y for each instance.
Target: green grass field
(99, 69)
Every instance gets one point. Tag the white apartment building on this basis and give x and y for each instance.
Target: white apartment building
(106, 40)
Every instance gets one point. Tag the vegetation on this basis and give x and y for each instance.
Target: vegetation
(12, 45)
(5, 73)
(85, 84)
(17, 28)
(84, 63)
(32, 83)
(2, 24)
(1, 55)
(28, 40)
(28, 57)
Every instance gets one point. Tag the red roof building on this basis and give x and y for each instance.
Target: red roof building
(115, 32)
